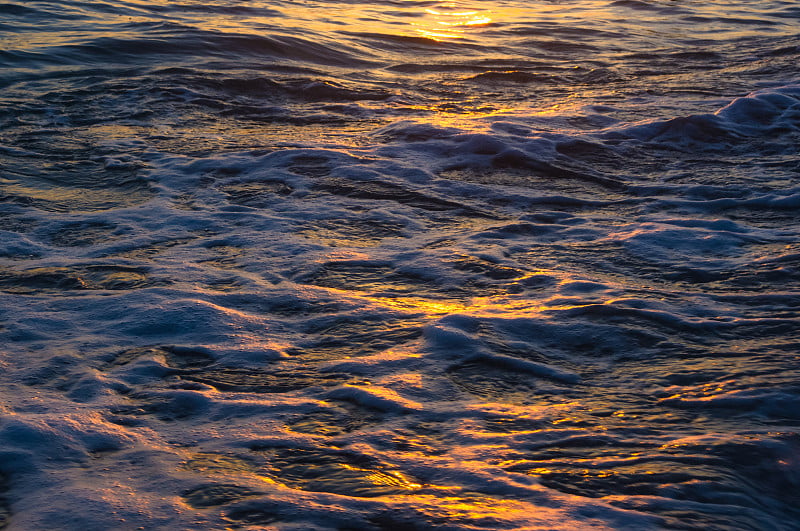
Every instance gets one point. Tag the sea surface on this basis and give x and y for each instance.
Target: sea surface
(400, 265)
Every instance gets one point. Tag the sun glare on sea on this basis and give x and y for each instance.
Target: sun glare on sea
(450, 21)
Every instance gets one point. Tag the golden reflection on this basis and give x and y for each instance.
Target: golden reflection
(463, 507)
(494, 306)
(213, 463)
(387, 478)
(445, 23)
(478, 116)
(415, 298)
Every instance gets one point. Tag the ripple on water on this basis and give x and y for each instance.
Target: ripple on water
(353, 337)
(279, 380)
(216, 494)
(338, 418)
(344, 232)
(83, 234)
(67, 280)
(337, 472)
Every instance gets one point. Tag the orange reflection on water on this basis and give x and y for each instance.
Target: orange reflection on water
(447, 24)
(478, 306)
(493, 306)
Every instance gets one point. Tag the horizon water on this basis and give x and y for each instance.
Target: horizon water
(400, 265)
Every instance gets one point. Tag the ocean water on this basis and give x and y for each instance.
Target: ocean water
(400, 265)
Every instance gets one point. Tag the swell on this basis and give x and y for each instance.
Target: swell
(181, 44)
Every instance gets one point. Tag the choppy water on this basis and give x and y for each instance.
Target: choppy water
(400, 265)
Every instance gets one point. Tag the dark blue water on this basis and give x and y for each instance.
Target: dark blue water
(400, 265)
